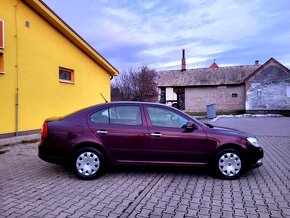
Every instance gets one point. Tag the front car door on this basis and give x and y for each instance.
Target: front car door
(123, 131)
(170, 143)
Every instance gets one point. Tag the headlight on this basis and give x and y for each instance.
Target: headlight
(254, 141)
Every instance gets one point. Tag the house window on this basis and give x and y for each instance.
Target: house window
(27, 24)
(66, 75)
(234, 95)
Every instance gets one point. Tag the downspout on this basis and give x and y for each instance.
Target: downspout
(17, 77)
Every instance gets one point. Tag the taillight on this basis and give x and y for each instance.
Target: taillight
(44, 130)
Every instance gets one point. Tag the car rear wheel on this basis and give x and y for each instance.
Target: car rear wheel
(229, 164)
(88, 163)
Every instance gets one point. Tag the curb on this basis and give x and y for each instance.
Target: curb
(6, 142)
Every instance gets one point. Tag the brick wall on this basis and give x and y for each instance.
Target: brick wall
(226, 98)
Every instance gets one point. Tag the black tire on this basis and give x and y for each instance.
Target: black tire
(229, 164)
(88, 163)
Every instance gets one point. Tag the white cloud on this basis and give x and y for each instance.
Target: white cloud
(159, 30)
(284, 59)
(221, 22)
(227, 65)
(146, 4)
(190, 63)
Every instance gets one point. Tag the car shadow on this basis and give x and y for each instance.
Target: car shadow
(188, 170)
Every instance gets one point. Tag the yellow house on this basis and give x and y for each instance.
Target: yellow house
(46, 69)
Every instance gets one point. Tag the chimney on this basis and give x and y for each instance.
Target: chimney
(183, 64)
(256, 62)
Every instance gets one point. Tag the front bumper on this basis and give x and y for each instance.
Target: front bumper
(257, 164)
(256, 157)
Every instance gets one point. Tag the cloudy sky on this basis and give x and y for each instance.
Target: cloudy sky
(135, 32)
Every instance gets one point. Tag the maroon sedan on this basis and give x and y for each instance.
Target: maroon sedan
(144, 133)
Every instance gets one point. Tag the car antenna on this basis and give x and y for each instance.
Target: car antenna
(103, 98)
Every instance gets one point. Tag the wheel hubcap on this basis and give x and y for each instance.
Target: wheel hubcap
(87, 163)
(230, 164)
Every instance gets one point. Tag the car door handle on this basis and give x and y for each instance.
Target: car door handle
(156, 134)
(102, 132)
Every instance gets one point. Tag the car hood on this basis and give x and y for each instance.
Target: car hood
(229, 131)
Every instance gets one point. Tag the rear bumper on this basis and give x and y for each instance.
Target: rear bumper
(51, 159)
(50, 154)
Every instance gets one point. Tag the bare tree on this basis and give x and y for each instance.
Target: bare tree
(135, 84)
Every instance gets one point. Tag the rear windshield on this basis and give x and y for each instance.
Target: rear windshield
(67, 115)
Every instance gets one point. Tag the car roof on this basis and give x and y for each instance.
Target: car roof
(132, 102)
(116, 103)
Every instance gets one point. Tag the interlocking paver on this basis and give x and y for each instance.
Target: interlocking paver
(204, 211)
(181, 207)
(239, 212)
(180, 213)
(33, 188)
(191, 213)
(168, 215)
(170, 210)
(227, 214)
(145, 212)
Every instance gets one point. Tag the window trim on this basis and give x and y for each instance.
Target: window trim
(72, 76)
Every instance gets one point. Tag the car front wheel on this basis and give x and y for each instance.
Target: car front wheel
(88, 163)
(229, 164)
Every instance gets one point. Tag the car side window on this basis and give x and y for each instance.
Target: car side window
(163, 117)
(101, 117)
(126, 115)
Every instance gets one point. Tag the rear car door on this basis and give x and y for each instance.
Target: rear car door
(123, 131)
(169, 141)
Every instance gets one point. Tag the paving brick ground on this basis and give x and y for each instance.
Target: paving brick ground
(30, 187)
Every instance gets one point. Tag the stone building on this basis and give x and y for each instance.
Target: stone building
(268, 88)
(234, 89)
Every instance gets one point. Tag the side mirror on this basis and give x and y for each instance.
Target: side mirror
(190, 126)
